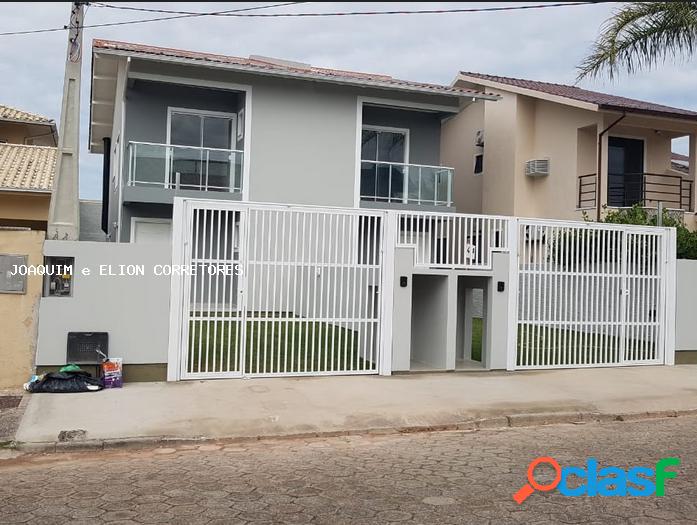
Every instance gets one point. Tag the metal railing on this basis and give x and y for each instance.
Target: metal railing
(184, 167)
(587, 187)
(645, 189)
(452, 240)
(394, 182)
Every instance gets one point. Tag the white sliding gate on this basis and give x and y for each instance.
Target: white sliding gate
(277, 290)
(593, 295)
(270, 290)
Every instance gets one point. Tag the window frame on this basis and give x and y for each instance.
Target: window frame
(388, 129)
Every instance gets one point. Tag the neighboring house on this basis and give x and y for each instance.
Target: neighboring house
(180, 123)
(536, 151)
(27, 165)
(27, 168)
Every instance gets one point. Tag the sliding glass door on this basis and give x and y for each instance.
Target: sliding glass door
(200, 152)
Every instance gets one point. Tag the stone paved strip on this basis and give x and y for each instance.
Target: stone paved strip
(446, 477)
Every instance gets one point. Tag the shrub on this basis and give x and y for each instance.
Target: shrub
(638, 216)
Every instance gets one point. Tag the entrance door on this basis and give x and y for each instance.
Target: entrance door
(625, 171)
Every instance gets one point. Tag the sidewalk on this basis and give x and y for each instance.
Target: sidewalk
(319, 405)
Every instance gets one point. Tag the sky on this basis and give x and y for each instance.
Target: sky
(545, 44)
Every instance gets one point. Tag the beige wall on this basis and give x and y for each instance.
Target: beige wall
(24, 208)
(19, 312)
(457, 150)
(20, 133)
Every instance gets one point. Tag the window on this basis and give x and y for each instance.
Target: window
(384, 151)
(205, 162)
(479, 152)
(478, 164)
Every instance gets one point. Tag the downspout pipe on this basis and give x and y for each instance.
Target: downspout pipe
(598, 185)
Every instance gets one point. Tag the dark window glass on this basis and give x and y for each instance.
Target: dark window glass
(479, 163)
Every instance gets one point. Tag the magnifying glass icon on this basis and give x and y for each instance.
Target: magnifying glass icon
(532, 485)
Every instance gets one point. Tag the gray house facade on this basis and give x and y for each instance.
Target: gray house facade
(174, 123)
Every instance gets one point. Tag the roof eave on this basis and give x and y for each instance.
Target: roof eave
(649, 112)
(528, 92)
(296, 75)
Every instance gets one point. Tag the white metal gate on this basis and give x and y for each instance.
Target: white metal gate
(592, 294)
(278, 290)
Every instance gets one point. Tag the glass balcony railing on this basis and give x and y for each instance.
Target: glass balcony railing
(406, 183)
(184, 167)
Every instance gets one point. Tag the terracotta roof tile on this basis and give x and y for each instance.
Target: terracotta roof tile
(275, 66)
(603, 100)
(17, 115)
(27, 167)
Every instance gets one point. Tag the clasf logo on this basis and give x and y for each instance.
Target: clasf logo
(606, 481)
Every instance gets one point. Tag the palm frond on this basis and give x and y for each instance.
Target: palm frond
(640, 35)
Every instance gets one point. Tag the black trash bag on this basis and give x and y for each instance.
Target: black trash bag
(66, 383)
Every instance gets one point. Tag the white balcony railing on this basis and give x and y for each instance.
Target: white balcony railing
(184, 167)
(406, 183)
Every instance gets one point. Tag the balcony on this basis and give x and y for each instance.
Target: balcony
(184, 167)
(645, 189)
(392, 182)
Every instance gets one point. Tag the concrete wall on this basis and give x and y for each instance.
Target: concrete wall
(134, 310)
(458, 150)
(19, 312)
(429, 320)
(685, 329)
(425, 323)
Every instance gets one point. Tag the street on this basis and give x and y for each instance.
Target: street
(448, 477)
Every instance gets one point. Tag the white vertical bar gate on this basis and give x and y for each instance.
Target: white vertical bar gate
(591, 295)
(279, 290)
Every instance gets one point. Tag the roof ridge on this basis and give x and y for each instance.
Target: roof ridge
(605, 100)
(20, 110)
(317, 71)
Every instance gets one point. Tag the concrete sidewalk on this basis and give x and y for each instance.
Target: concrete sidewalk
(318, 405)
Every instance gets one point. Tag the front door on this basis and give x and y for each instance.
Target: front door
(625, 172)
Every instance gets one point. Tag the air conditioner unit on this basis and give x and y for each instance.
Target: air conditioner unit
(537, 168)
(479, 138)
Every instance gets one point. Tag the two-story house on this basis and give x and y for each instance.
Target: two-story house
(557, 151)
(178, 123)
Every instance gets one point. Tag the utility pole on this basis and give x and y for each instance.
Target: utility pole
(64, 211)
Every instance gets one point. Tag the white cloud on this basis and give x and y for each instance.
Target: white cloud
(542, 44)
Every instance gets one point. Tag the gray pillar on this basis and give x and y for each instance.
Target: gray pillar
(64, 213)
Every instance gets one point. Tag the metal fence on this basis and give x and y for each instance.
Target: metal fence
(590, 294)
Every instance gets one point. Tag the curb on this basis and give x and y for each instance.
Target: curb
(473, 425)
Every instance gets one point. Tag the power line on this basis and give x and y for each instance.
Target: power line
(160, 19)
(238, 13)
(353, 13)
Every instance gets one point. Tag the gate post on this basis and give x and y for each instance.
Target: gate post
(389, 244)
(513, 280)
(670, 295)
(179, 214)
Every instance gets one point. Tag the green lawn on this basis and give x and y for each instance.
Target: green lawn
(311, 346)
(573, 347)
(477, 325)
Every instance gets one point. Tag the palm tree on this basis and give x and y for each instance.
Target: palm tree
(639, 35)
